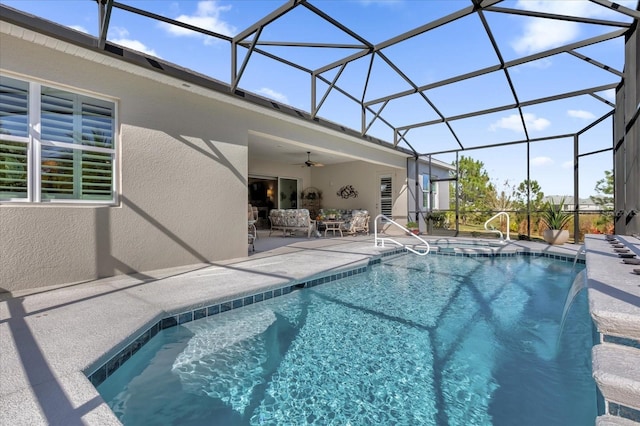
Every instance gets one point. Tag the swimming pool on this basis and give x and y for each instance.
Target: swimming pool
(414, 341)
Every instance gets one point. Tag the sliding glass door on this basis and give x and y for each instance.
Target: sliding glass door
(288, 193)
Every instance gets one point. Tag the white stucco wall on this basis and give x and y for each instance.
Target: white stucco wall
(183, 168)
(365, 179)
(183, 174)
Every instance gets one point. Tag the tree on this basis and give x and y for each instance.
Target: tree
(604, 199)
(604, 188)
(528, 192)
(502, 201)
(475, 189)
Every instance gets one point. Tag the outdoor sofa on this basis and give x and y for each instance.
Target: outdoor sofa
(291, 220)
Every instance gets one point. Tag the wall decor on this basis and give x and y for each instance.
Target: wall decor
(347, 191)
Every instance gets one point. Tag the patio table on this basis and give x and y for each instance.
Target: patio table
(333, 226)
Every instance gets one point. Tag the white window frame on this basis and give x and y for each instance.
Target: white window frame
(425, 192)
(35, 145)
(389, 198)
(429, 193)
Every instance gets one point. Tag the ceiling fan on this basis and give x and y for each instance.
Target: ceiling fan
(310, 163)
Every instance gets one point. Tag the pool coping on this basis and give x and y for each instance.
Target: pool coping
(614, 304)
(51, 337)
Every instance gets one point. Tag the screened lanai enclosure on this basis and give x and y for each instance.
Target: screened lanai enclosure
(531, 101)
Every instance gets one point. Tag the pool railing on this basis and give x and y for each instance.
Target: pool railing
(379, 241)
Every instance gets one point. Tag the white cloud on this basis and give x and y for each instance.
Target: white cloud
(206, 16)
(581, 8)
(541, 161)
(610, 94)
(541, 34)
(540, 64)
(122, 38)
(136, 45)
(79, 28)
(578, 113)
(273, 95)
(535, 123)
(513, 122)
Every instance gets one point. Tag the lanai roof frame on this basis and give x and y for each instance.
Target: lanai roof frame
(250, 39)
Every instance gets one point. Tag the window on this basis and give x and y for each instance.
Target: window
(426, 197)
(386, 196)
(425, 192)
(55, 145)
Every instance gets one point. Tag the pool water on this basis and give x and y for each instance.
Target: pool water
(434, 340)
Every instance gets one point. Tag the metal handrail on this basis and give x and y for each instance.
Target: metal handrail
(381, 240)
(497, 230)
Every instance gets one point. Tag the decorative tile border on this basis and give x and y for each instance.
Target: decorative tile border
(624, 341)
(108, 368)
(624, 412)
(470, 253)
(100, 375)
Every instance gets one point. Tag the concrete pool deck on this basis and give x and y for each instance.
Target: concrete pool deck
(51, 337)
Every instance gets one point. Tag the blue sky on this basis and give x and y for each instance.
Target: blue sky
(444, 52)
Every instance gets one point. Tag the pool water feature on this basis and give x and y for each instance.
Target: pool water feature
(579, 284)
(414, 341)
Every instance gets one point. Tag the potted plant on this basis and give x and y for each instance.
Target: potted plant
(555, 219)
(331, 214)
(413, 227)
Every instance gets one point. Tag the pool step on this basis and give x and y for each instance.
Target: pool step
(616, 370)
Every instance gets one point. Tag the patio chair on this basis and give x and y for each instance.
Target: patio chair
(252, 217)
(251, 242)
(359, 222)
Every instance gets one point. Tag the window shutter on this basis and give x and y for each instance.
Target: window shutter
(97, 167)
(75, 145)
(386, 196)
(13, 170)
(57, 173)
(14, 124)
(57, 118)
(14, 97)
(97, 175)
(83, 174)
(97, 125)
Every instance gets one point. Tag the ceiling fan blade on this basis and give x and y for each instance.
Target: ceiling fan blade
(310, 163)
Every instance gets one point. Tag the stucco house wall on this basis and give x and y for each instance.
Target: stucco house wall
(365, 179)
(182, 175)
(183, 163)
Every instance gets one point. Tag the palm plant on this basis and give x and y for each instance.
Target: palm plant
(554, 217)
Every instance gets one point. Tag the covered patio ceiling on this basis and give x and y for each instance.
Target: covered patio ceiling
(458, 96)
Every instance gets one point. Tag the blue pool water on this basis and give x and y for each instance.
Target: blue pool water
(436, 340)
